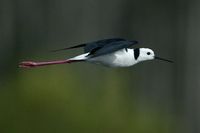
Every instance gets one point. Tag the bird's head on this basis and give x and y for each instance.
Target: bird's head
(143, 54)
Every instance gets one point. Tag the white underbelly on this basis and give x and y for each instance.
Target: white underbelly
(117, 59)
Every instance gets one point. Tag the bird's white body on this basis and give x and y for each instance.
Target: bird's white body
(120, 58)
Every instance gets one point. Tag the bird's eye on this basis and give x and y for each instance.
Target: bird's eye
(148, 53)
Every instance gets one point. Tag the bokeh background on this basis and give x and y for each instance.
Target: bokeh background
(151, 97)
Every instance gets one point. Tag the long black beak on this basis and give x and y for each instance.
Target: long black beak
(158, 58)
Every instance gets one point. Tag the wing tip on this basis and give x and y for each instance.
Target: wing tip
(72, 47)
(134, 41)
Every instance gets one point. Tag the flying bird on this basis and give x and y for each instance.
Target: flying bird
(114, 52)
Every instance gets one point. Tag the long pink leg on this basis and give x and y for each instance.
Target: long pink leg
(31, 64)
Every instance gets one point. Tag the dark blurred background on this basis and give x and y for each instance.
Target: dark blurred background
(151, 97)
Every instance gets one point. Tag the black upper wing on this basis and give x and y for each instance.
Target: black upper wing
(107, 46)
(100, 43)
(88, 47)
(104, 46)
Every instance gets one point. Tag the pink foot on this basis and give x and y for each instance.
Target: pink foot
(27, 64)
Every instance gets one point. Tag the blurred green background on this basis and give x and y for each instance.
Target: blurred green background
(151, 97)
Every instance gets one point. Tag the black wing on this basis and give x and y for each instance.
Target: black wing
(104, 46)
(101, 43)
(110, 47)
(88, 47)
